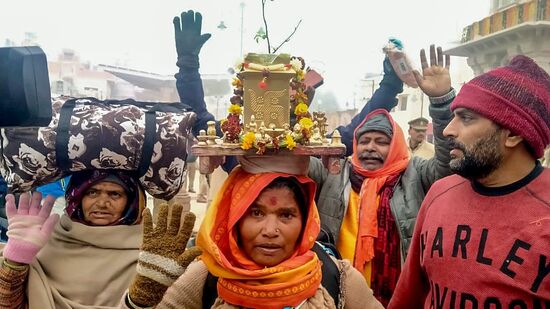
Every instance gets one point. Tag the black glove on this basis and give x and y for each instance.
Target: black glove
(189, 39)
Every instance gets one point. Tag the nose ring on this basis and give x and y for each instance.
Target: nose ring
(277, 230)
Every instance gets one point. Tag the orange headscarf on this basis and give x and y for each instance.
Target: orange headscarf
(395, 163)
(241, 281)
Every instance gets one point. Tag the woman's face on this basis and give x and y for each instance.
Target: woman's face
(104, 203)
(270, 228)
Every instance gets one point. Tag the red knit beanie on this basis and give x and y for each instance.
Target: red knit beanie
(516, 97)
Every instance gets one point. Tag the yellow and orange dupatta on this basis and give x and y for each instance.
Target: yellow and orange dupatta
(395, 163)
(241, 281)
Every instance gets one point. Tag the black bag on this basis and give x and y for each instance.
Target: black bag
(24, 87)
(330, 280)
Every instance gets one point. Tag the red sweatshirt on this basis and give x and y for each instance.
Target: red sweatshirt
(479, 247)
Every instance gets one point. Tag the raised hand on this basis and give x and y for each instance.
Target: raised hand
(435, 80)
(163, 257)
(189, 39)
(30, 226)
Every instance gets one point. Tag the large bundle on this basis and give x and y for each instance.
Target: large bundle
(147, 138)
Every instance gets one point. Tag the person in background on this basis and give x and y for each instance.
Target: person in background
(87, 259)
(418, 145)
(204, 188)
(191, 165)
(204, 179)
(369, 210)
(482, 237)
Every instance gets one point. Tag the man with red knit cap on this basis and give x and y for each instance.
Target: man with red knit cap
(482, 237)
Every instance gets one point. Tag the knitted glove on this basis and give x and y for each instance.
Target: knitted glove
(189, 39)
(30, 226)
(163, 257)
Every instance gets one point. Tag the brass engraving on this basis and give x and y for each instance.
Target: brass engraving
(271, 105)
(267, 107)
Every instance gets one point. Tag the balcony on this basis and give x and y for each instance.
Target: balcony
(531, 12)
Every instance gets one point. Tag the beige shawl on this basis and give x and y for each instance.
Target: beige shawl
(187, 291)
(84, 266)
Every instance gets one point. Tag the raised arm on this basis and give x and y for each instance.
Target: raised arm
(189, 41)
(163, 256)
(30, 228)
(435, 82)
(384, 97)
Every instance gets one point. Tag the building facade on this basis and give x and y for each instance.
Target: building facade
(513, 27)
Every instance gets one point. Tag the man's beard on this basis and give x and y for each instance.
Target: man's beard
(480, 159)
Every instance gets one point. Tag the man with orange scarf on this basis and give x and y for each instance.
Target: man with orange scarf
(368, 211)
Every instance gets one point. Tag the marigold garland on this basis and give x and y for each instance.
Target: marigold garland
(301, 109)
(306, 123)
(233, 128)
(236, 82)
(248, 140)
(290, 143)
(235, 109)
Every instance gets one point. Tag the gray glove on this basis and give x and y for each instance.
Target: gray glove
(189, 39)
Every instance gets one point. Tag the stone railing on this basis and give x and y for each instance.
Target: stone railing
(532, 11)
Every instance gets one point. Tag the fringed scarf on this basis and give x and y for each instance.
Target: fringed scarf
(375, 219)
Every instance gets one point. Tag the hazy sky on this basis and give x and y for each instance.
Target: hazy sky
(342, 39)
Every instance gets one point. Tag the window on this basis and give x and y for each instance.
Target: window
(59, 87)
(500, 4)
(507, 2)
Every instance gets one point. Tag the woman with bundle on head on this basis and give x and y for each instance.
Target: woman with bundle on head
(87, 259)
(259, 251)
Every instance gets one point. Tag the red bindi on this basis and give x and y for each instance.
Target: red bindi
(273, 200)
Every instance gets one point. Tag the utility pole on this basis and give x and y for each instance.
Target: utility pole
(242, 28)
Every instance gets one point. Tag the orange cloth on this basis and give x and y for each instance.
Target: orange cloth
(395, 163)
(350, 228)
(348, 234)
(241, 281)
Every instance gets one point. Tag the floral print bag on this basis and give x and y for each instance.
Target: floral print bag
(145, 137)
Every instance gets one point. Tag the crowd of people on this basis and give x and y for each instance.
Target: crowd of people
(462, 223)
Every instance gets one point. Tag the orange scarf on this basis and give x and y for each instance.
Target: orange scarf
(241, 281)
(395, 163)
